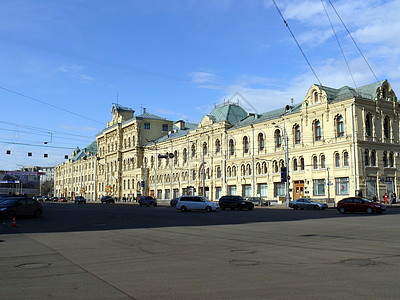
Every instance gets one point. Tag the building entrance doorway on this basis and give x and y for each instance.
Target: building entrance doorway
(298, 189)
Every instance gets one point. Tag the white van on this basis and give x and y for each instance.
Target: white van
(186, 203)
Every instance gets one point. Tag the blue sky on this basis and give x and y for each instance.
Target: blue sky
(63, 63)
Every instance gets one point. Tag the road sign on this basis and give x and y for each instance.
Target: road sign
(162, 156)
(171, 155)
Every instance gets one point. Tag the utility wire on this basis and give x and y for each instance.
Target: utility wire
(51, 105)
(34, 145)
(344, 25)
(298, 45)
(340, 46)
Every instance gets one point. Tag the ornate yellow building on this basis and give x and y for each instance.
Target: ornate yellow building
(337, 142)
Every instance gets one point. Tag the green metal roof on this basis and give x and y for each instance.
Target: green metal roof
(232, 113)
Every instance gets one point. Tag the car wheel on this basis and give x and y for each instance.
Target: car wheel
(316, 207)
(240, 207)
(208, 209)
(222, 207)
(11, 215)
(155, 204)
(342, 210)
(37, 213)
(250, 207)
(295, 207)
(369, 210)
(183, 208)
(140, 204)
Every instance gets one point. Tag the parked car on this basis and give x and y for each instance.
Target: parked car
(18, 206)
(55, 199)
(257, 201)
(62, 199)
(173, 202)
(187, 203)
(235, 202)
(358, 204)
(304, 203)
(147, 201)
(80, 200)
(107, 199)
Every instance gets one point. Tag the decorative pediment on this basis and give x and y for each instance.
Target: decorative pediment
(207, 121)
(315, 95)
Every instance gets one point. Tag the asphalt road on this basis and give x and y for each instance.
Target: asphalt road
(122, 251)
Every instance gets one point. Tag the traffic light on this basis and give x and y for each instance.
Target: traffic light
(283, 174)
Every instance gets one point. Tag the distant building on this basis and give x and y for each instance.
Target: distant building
(336, 143)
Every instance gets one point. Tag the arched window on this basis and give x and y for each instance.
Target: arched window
(218, 172)
(231, 147)
(278, 138)
(368, 125)
(317, 130)
(346, 159)
(297, 134)
(261, 143)
(275, 166)
(337, 160)
(184, 156)
(315, 97)
(243, 170)
(373, 158)
(205, 149)
(339, 126)
(323, 166)
(193, 150)
(229, 172)
(315, 162)
(264, 168)
(234, 171)
(391, 160)
(217, 146)
(302, 165)
(248, 169)
(175, 157)
(281, 163)
(258, 168)
(384, 158)
(295, 164)
(245, 144)
(386, 127)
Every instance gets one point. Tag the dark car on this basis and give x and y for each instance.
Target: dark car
(147, 201)
(107, 199)
(18, 206)
(304, 203)
(235, 202)
(55, 199)
(80, 200)
(358, 204)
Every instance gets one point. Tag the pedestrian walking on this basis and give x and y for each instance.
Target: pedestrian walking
(385, 198)
(374, 198)
(393, 196)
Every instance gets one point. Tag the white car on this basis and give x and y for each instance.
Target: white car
(186, 203)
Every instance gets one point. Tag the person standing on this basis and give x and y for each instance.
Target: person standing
(385, 198)
(393, 196)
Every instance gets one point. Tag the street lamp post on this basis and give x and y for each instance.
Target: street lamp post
(286, 153)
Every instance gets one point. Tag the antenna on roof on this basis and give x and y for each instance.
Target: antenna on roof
(117, 98)
(291, 100)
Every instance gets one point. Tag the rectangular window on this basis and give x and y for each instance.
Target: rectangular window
(262, 189)
(232, 190)
(218, 193)
(371, 186)
(164, 127)
(389, 185)
(319, 187)
(342, 186)
(246, 190)
(167, 194)
(146, 125)
(279, 189)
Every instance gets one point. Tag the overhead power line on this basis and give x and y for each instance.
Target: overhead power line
(48, 104)
(340, 46)
(298, 45)
(355, 43)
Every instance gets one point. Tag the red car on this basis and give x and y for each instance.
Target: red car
(62, 199)
(355, 204)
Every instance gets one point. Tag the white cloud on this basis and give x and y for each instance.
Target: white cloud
(75, 71)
